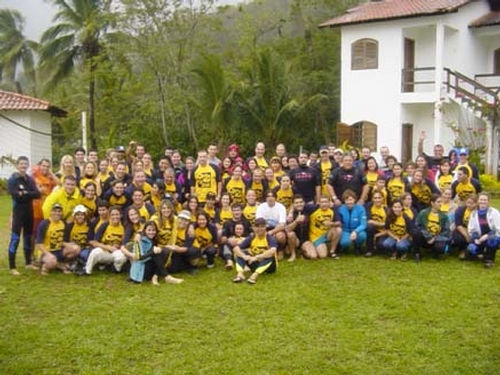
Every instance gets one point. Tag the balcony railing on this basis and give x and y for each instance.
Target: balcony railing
(416, 79)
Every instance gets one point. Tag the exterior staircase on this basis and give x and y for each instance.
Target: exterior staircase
(484, 103)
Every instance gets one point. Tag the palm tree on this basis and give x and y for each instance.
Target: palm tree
(75, 41)
(216, 96)
(266, 100)
(15, 49)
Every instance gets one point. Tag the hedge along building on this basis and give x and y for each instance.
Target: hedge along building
(431, 65)
(25, 129)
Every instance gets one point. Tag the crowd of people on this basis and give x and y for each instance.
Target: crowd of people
(123, 211)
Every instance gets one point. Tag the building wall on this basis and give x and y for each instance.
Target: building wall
(16, 141)
(375, 94)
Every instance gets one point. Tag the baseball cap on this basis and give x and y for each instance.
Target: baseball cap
(79, 208)
(463, 151)
(185, 214)
(233, 146)
(338, 150)
(260, 222)
(120, 149)
(57, 206)
(323, 148)
(276, 158)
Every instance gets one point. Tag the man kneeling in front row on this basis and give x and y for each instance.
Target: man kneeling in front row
(55, 253)
(257, 252)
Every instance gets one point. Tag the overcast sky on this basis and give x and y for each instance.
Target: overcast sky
(38, 14)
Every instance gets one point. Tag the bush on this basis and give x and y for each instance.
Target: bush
(489, 183)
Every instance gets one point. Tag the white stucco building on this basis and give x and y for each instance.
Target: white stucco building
(25, 129)
(430, 65)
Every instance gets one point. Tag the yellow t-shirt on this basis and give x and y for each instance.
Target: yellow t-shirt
(249, 213)
(205, 181)
(408, 212)
(433, 225)
(422, 192)
(379, 215)
(317, 227)
(444, 181)
(166, 232)
(395, 187)
(258, 187)
(225, 215)
(79, 234)
(285, 197)
(326, 168)
(464, 190)
(237, 190)
(261, 162)
(398, 227)
(113, 235)
(54, 235)
(258, 246)
(91, 206)
(202, 238)
(371, 178)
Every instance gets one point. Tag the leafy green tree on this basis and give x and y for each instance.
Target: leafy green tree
(216, 97)
(76, 40)
(15, 49)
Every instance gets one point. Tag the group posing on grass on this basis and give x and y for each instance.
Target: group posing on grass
(125, 212)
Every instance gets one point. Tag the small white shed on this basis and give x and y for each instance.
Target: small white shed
(25, 129)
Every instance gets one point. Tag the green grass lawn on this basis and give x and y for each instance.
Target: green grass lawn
(352, 316)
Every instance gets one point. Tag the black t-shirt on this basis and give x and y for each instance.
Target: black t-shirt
(305, 179)
(228, 229)
(483, 222)
(342, 179)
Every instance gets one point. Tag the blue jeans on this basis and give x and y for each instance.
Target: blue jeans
(345, 240)
(390, 245)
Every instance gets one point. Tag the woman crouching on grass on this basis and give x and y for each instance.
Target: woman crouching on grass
(147, 260)
(257, 252)
(433, 229)
(398, 227)
(484, 230)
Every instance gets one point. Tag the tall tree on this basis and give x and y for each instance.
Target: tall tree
(15, 49)
(76, 40)
(216, 96)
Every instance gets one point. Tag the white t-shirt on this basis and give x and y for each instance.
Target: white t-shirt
(273, 215)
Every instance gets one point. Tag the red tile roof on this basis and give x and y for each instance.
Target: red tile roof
(373, 11)
(489, 19)
(11, 101)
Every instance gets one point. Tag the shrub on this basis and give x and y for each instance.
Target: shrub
(489, 183)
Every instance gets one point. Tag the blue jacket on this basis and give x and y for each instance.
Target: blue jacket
(352, 220)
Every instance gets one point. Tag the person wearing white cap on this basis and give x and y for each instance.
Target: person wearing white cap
(182, 254)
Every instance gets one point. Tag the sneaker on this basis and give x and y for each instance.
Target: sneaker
(14, 272)
(417, 257)
(31, 266)
(368, 254)
(488, 264)
(173, 280)
(334, 256)
(210, 265)
(461, 255)
(81, 272)
(154, 280)
(394, 256)
(404, 257)
(229, 265)
(193, 271)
